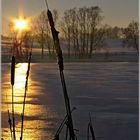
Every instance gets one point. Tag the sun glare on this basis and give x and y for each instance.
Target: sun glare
(21, 24)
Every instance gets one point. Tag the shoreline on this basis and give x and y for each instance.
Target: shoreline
(111, 57)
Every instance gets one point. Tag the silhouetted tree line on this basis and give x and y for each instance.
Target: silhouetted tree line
(114, 32)
(81, 30)
(131, 36)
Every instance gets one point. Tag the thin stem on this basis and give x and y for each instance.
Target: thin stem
(63, 123)
(25, 93)
(13, 114)
(10, 124)
(67, 103)
(12, 83)
(9, 118)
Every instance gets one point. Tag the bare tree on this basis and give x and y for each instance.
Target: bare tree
(113, 32)
(82, 30)
(55, 15)
(131, 36)
(41, 29)
(21, 42)
(66, 28)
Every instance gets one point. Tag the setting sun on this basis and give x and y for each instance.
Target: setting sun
(21, 24)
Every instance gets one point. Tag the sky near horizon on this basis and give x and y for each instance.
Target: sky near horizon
(115, 12)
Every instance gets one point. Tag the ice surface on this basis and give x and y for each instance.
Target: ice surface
(109, 91)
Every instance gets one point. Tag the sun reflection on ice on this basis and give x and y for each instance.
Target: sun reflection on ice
(20, 73)
(36, 122)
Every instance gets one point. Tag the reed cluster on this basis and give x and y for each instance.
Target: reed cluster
(12, 121)
(67, 121)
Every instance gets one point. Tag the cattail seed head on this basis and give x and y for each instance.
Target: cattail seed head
(13, 70)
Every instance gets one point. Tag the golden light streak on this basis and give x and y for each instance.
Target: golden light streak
(32, 127)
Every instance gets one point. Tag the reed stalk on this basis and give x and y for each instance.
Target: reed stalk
(10, 124)
(90, 130)
(9, 119)
(25, 94)
(62, 125)
(12, 84)
(61, 68)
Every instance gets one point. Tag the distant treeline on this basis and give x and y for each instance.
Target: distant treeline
(81, 29)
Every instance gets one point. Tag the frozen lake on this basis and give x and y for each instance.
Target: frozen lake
(109, 91)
